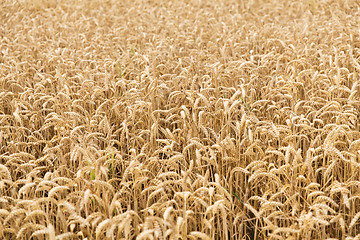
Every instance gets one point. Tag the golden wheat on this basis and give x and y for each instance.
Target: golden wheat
(179, 119)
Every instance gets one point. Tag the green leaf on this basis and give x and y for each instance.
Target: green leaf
(92, 174)
(235, 195)
(245, 105)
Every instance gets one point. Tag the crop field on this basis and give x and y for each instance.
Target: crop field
(179, 119)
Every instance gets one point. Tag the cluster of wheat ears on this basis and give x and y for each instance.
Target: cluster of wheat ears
(201, 119)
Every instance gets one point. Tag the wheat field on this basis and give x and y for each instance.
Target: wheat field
(179, 119)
